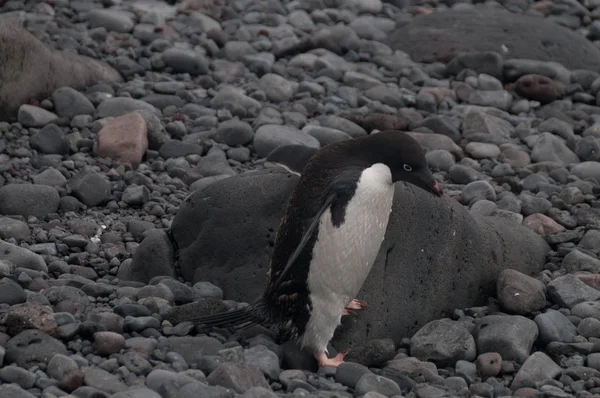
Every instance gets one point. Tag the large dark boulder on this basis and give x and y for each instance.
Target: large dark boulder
(225, 232)
(439, 35)
(436, 256)
(32, 70)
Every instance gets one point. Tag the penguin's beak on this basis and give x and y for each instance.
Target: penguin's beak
(436, 190)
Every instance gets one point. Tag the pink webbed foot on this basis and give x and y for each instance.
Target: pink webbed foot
(334, 362)
(354, 305)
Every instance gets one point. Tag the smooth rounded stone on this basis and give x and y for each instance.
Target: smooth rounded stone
(125, 139)
(14, 391)
(443, 125)
(485, 128)
(483, 208)
(214, 164)
(489, 364)
(497, 99)
(577, 261)
(69, 103)
(264, 359)
(50, 139)
(204, 289)
(103, 380)
(568, 291)
(512, 336)
(90, 187)
(373, 352)
(11, 292)
(118, 106)
(439, 37)
(325, 135)
(30, 315)
(349, 373)
(158, 379)
(478, 190)
(112, 20)
(270, 136)
(137, 392)
(28, 200)
(443, 342)
(537, 88)
(591, 240)
(462, 174)
(536, 368)
(588, 148)
(50, 177)
(233, 96)
(534, 204)
(33, 116)
(240, 154)
(21, 257)
(277, 88)
(186, 61)
(343, 124)
(439, 159)
(176, 149)
(232, 201)
(519, 293)
(481, 150)
(587, 170)
(587, 309)
(234, 132)
(202, 183)
(155, 256)
(14, 374)
(60, 365)
(370, 382)
(135, 195)
(107, 343)
(550, 148)
(237, 376)
(589, 327)
(32, 347)
(554, 326)
(16, 229)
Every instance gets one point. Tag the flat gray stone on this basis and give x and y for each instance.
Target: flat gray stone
(440, 35)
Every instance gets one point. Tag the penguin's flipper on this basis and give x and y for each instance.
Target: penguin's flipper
(340, 190)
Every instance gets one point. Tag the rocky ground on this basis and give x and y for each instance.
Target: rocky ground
(87, 172)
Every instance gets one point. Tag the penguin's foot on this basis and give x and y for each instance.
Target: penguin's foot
(357, 305)
(334, 362)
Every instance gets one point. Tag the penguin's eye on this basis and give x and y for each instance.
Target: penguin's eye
(407, 167)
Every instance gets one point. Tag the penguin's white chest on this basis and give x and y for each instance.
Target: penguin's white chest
(343, 256)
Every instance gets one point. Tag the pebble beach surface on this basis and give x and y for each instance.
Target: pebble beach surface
(208, 90)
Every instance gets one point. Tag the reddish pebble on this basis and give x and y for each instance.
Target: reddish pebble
(488, 364)
(72, 381)
(125, 138)
(538, 88)
(592, 280)
(542, 224)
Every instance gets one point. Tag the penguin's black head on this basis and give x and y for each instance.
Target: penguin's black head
(403, 155)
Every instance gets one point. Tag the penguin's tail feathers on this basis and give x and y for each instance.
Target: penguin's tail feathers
(236, 319)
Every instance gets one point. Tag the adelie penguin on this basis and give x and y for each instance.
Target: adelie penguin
(329, 237)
